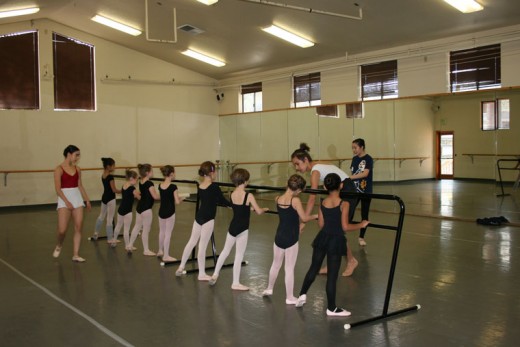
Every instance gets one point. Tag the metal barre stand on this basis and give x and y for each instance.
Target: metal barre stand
(500, 173)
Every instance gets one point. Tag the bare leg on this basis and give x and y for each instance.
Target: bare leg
(77, 215)
(63, 222)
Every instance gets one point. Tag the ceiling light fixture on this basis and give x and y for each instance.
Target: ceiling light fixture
(204, 58)
(116, 25)
(288, 36)
(465, 6)
(21, 12)
(208, 2)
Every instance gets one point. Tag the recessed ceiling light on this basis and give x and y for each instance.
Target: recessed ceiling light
(465, 6)
(204, 58)
(288, 36)
(20, 12)
(208, 2)
(116, 25)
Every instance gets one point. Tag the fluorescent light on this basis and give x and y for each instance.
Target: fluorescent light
(208, 2)
(465, 6)
(288, 36)
(116, 25)
(203, 58)
(21, 12)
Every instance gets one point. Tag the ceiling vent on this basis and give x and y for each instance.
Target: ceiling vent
(190, 29)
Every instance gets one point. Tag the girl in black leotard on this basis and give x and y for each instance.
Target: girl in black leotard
(169, 198)
(242, 204)
(210, 196)
(330, 242)
(290, 212)
(143, 218)
(108, 200)
(124, 212)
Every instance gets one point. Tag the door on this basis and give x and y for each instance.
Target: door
(445, 154)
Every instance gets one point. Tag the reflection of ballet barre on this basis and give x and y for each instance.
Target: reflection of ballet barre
(471, 155)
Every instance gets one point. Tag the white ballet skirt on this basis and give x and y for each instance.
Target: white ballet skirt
(74, 197)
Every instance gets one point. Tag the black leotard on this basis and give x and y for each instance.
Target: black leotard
(331, 237)
(209, 199)
(241, 215)
(127, 201)
(167, 208)
(147, 200)
(288, 231)
(108, 193)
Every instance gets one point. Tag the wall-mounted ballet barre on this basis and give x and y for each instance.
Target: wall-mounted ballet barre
(472, 155)
(7, 172)
(229, 164)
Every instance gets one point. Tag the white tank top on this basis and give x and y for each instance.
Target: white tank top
(325, 169)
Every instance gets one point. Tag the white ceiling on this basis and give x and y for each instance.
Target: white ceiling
(232, 27)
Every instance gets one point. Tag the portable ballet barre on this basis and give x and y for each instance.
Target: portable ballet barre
(398, 229)
(499, 168)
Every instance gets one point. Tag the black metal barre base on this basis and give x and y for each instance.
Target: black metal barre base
(384, 316)
(100, 237)
(170, 263)
(213, 267)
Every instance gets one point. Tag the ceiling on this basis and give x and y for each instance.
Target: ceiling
(232, 27)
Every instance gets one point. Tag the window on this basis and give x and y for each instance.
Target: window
(355, 110)
(379, 81)
(475, 69)
(307, 90)
(252, 97)
(495, 114)
(330, 111)
(19, 71)
(74, 85)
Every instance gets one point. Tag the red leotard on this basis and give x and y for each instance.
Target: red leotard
(69, 181)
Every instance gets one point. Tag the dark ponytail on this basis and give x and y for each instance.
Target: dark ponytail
(107, 162)
(206, 168)
(144, 169)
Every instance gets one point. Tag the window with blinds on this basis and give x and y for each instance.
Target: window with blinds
(307, 91)
(379, 81)
(19, 71)
(74, 84)
(251, 97)
(494, 114)
(475, 68)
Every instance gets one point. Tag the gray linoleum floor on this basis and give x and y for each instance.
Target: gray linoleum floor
(465, 276)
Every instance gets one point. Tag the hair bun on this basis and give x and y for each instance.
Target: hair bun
(304, 147)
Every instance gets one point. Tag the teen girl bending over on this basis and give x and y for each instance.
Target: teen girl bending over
(303, 162)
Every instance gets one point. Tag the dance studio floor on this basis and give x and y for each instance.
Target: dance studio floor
(465, 276)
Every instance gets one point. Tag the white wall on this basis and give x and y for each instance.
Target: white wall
(134, 123)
